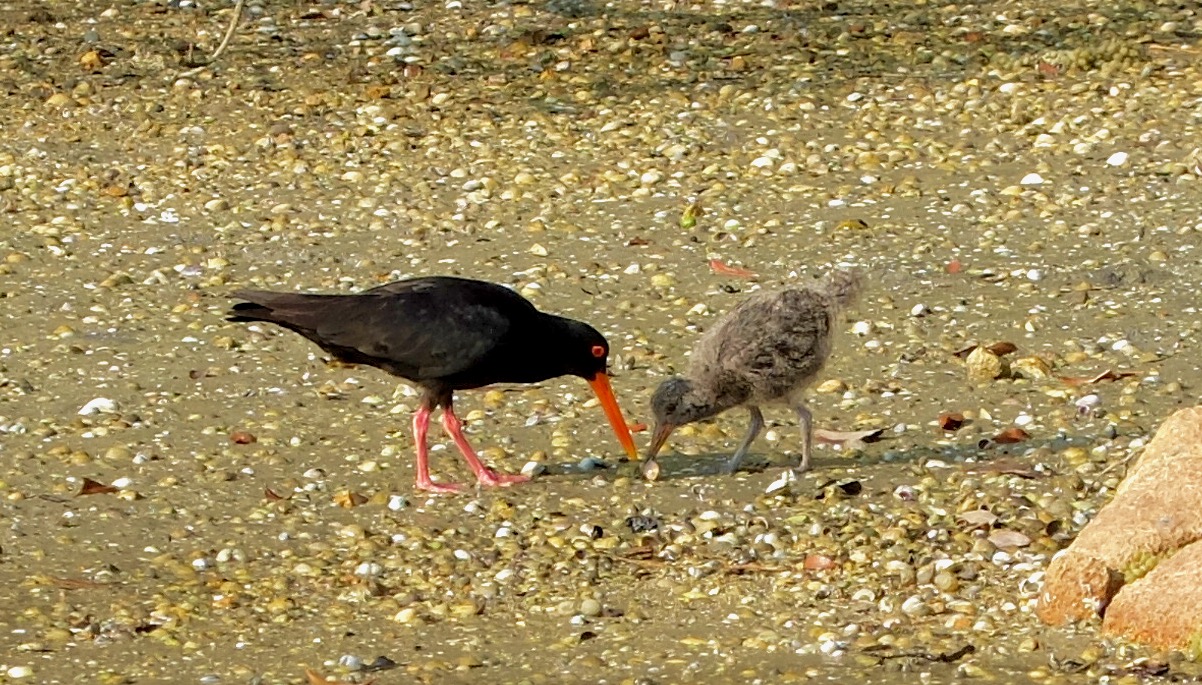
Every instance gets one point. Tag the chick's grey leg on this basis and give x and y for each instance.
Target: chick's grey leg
(757, 424)
(807, 437)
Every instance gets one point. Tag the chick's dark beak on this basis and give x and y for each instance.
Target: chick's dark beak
(662, 430)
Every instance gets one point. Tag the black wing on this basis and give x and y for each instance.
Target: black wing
(419, 329)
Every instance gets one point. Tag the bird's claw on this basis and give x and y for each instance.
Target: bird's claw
(440, 488)
(500, 480)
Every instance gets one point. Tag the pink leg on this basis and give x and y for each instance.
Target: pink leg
(421, 424)
(484, 475)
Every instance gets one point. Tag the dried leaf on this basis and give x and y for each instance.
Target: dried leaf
(1008, 538)
(1002, 349)
(271, 496)
(951, 421)
(830, 437)
(723, 269)
(349, 500)
(963, 352)
(1107, 375)
(1011, 435)
(1048, 70)
(819, 562)
(979, 517)
(637, 242)
(242, 438)
(91, 487)
(637, 427)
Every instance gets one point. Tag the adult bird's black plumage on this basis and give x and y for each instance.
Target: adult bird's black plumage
(443, 334)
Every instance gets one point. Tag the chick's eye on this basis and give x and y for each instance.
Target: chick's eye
(598, 351)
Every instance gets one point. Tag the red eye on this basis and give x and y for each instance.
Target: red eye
(598, 351)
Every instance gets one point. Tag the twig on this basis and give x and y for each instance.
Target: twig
(1125, 461)
(942, 657)
(229, 32)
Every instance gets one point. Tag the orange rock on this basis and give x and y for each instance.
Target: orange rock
(1162, 609)
(1156, 511)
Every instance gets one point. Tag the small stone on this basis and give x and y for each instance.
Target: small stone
(1032, 368)
(59, 100)
(591, 464)
(652, 177)
(1087, 404)
(984, 365)
(99, 405)
(1031, 179)
(829, 386)
(590, 607)
(1117, 159)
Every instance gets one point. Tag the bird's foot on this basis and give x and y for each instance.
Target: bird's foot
(440, 488)
(493, 479)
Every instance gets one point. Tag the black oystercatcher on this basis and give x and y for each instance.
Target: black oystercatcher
(764, 351)
(444, 334)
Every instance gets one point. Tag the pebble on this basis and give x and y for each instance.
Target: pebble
(1088, 403)
(652, 177)
(591, 464)
(99, 405)
(533, 469)
(350, 662)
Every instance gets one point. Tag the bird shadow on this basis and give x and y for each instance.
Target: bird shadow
(981, 455)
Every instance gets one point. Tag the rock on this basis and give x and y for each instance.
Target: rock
(1112, 566)
(1164, 608)
(984, 366)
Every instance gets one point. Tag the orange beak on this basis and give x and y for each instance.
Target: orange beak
(605, 393)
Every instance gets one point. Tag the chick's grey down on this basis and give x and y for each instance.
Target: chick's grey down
(766, 350)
